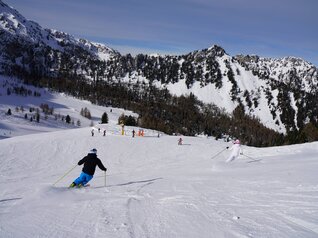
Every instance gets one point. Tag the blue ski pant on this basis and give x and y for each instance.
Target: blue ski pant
(83, 179)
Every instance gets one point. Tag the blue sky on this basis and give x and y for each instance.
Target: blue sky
(271, 28)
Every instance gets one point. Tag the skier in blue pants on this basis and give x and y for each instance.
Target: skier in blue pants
(90, 161)
(82, 179)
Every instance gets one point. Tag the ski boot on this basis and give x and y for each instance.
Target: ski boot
(72, 185)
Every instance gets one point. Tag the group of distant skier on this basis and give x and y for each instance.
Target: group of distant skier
(140, 132)
(92, 132)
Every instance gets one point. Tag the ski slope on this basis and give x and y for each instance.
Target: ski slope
(155, 188)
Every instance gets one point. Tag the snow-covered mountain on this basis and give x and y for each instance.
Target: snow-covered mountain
(293, 71)
(24, 44)
(281, 93)
(13, 26)
(266, 87)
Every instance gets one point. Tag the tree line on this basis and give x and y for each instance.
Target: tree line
(159, 110)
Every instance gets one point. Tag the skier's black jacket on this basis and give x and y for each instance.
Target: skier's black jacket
(90, 161)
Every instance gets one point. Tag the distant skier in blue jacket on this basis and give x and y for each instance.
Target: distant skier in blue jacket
(90, 161)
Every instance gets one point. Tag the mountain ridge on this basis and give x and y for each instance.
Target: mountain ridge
(282, 93)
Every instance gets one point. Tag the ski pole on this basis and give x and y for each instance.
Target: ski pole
(64, 175)
(105, 180)
(249, 157)
(218, 153)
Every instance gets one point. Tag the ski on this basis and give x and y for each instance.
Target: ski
(81, 186)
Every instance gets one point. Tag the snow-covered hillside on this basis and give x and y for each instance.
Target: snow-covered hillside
(290, 70)
(221, 96)
(63, 105)
(155, 188)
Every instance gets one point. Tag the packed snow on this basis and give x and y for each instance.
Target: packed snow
(154, 187)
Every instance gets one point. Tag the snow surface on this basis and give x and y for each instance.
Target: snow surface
(154, 188)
